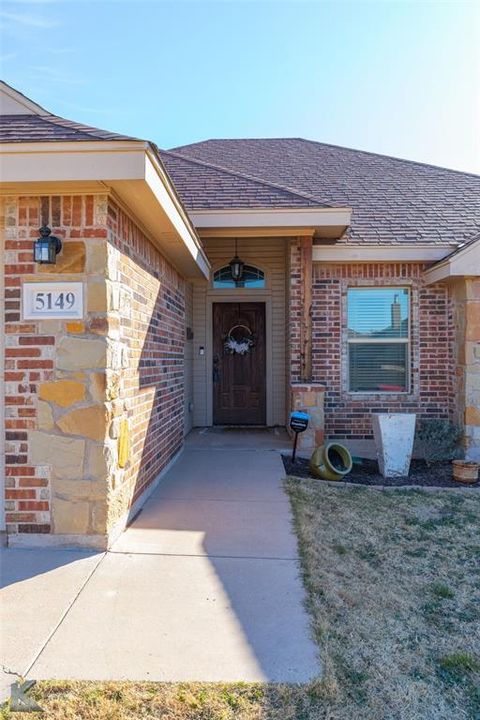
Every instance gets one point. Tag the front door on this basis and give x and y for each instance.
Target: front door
(239, 364)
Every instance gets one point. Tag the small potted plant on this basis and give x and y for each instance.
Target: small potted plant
(465, 471)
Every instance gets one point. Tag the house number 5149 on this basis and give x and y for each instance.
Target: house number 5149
(48, 301)
(53, 300)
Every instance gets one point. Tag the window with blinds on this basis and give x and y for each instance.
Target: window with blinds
(378, 339)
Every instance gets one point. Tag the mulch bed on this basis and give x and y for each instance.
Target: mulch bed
(365, 472)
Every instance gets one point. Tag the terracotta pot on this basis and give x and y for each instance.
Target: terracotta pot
(464, 471)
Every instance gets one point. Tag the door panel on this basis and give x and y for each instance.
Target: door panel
(239, 384)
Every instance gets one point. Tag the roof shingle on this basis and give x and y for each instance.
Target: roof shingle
(393, 200)
(202, 186)
(50, 128)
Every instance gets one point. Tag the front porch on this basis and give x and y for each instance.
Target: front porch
(270, 256)
(285, 294)
(306, 335)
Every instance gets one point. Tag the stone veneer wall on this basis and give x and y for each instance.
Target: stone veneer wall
(56, 417)
(466, 308)
(75, 390)
(147, 341)
(347, 415)
(309, 398)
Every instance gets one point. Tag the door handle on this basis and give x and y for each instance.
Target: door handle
(216, 369)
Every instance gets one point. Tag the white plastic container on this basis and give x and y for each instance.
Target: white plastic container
(394, 434)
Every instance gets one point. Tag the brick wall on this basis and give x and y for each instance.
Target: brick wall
(295, 294)
(43, 456)
(76, 389)
(348, 415)
(147, 335)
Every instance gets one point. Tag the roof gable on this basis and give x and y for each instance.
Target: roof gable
(13, 102)
(22, 120)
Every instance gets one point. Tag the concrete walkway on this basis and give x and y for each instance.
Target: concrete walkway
(204, 585)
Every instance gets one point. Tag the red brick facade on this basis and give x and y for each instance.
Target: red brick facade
(347, 414)
(134, 305)
(150, 328)
(30, 347)
(135, 310)
(294, 312)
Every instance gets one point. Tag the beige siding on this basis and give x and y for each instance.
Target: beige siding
(188, 358)
(270, 255)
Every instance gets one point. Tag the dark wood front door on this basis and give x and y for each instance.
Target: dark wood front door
(239, 379)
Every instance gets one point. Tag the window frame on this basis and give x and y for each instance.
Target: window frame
(382, 341)
(238, 288)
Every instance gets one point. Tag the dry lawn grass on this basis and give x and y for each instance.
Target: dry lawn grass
(163, 701)
(393, 582)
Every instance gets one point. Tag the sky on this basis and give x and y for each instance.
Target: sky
(397, 78)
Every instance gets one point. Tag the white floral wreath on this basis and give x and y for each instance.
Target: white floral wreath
(240, 346)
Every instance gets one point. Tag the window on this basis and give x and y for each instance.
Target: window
(378, 339)
(252, 278)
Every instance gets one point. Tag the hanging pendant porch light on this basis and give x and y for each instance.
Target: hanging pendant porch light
(236, 266)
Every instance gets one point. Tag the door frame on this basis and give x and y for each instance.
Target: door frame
(237, 296)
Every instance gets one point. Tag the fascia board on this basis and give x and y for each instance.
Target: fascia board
(315, 217)
(379, 253)
(71, 146)
(71, 166)
(104, 162)
(181, 224)
(465, 263)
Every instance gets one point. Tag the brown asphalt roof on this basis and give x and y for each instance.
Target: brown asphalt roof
(201, 186)
(48, 128)
(393, 200)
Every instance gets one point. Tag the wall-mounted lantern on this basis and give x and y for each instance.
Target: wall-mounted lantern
(47, 247)
(236, 266)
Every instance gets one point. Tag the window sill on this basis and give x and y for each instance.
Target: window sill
(384, 393)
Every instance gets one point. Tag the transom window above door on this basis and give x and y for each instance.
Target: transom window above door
(252, 277)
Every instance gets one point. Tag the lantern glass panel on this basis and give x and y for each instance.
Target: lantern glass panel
(45, 251)
(49, 252)
(252, 277)
(236, 267)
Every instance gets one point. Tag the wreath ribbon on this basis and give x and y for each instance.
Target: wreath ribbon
(238, 347)
(234, 327)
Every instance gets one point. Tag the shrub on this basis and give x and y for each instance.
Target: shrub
(438, 440)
